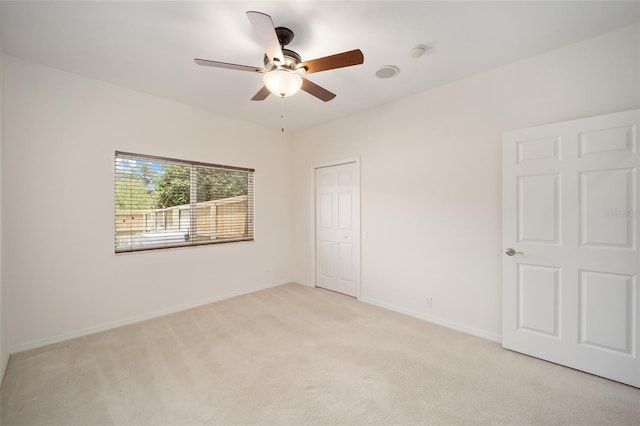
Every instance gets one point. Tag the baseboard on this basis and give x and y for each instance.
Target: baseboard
(139, 318)
(435, 320)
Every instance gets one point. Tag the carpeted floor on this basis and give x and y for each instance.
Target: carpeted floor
(297, 355)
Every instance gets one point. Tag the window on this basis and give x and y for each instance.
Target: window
(163, 202)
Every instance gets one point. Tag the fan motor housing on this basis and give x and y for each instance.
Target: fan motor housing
(291, 60)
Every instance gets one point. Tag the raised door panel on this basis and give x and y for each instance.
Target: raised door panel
(539, 149)
(325, 200)
(607, 307)
(607, 204)
(538, 210)
(345, 178)
(345, 210)
(326, 259)
(345, 256)
(617, 139)
(539, 300)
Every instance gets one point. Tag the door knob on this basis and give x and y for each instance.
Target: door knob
(511, 252)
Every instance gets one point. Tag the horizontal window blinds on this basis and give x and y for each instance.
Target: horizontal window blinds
(162, 203)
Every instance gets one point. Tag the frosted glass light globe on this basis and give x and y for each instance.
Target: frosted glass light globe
(282, 82)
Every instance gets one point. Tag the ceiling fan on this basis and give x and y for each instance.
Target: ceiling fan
(283, 68)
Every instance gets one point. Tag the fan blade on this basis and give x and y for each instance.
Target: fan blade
(216, 64)
(266, 32)
(261, 95)
(317, 91)
(340, 60)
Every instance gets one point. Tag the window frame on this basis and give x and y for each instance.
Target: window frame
(192, 201)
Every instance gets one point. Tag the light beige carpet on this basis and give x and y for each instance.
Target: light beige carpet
(297, 355)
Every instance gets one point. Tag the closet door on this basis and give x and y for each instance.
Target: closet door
(337, 228)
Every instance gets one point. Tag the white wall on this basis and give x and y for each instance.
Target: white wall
(4, 347)
(431, 175)
(61, 131)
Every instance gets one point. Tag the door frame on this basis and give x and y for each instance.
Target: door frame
(356, 219)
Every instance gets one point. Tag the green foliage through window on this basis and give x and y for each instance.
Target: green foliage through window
(155, 207)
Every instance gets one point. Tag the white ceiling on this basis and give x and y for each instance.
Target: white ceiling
(149, 46)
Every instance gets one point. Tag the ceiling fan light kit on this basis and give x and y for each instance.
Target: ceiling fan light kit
(284, 68)
(282, 82)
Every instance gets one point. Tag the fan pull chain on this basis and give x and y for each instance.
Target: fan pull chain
(282, 113)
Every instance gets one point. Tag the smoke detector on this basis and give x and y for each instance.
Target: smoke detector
(418, 50)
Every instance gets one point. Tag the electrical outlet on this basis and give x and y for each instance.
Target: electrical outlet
(429, 302)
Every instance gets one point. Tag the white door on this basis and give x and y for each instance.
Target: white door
(337, 228)
(571, 214)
